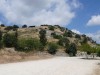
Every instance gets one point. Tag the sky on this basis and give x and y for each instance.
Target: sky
(80, 16)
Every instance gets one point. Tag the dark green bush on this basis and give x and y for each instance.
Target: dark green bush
(98, 52)
(24, 26)
(1, 44)
(51, 28)
(84, 40)
(54, 35)
(63, 42)
(2, 25)
(8, 28)
(68, 34)
(42, 36)
(52, 48)
(78, 36)
(9, 40)
(72, 50)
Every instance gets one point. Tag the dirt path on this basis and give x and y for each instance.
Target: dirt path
(53, 66)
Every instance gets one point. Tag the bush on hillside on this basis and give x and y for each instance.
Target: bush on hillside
(67, 34)
(2, 25)
(29, 44)
(62, 29)
(24, 26)
(15, 27)
(1, 44)
(52, 48)
(98, 52)
(8, 28)
(63, 42)
(55, 36)
(78, 36)
(42, 36)
(84, 40)
(72, 50)
(9, 40)
(51, 28)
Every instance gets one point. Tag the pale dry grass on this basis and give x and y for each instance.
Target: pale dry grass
(8, 55)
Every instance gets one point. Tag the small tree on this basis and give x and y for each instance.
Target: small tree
(72, 50)
(78, 36)
(98, 52)
(43, 38)
(51, 28)
(8, 28)
(84, 40)
(52, 48)
(67, 34)
(2, 25)
(15, 27)
(55, 36)
(9, 40)
(24, 26)
(0, 39)
(63, 42)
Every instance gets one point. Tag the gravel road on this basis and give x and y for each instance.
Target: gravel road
(52, 66)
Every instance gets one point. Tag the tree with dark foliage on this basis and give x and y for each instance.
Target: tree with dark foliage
(52, 48)
(24, 26)
(9, 40)
(0, 39)
(2, 25)
(72, 50)
(43, 38)
(16, 39)
(15, 27)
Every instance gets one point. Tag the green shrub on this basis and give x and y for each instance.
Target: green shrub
(0, 39)
(9, 40)
(98, 52)
(2, 25)
(29, 44)
(78, 36)
(56, 36)
(68, 34)
(51, 28)
(63, 42)
(72, 50)
(24, 26)
(42, 36)
(62, 29)
(8, 28)
(52, 48)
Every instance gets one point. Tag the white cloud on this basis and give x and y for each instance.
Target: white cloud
(95, 20)
(76, 31)
(36, 12)
(95, 36)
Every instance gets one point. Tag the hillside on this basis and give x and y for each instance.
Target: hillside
(25, 43)
(58, 31)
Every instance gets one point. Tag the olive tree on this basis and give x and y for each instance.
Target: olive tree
(43, 38)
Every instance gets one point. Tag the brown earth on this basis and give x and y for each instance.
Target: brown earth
(9, 55)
